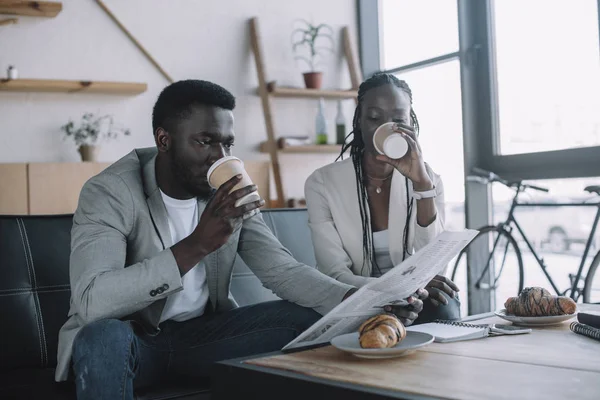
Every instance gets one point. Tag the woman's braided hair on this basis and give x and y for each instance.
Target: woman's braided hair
(357, 148)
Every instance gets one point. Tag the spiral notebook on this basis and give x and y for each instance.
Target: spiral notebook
(585, 330)
(448, 331)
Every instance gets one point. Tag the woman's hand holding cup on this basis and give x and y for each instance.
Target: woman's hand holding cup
(412, 164)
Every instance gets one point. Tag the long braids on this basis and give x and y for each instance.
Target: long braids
(357, 147)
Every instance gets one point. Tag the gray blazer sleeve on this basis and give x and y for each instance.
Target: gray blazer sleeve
(102, 285)
(280, 272)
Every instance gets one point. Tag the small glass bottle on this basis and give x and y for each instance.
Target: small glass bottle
(340, 125)
(321, 124)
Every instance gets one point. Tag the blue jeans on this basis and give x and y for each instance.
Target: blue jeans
(111, 357)
(430, 313)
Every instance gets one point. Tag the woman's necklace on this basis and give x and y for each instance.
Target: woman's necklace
(378, 188)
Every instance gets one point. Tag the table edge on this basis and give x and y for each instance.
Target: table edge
(224, 367)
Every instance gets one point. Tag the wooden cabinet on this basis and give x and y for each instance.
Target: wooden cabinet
(53, 188)
(43, 188)
(13, 189)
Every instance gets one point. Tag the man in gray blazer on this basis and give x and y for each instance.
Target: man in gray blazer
(152, 254)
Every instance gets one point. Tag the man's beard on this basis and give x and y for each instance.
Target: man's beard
(188, 181)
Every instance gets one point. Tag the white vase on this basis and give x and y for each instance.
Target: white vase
(89, 153)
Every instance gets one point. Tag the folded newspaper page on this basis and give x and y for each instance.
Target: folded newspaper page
(394, 287)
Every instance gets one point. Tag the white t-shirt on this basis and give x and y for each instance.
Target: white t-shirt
(381, 244)
(191, 301)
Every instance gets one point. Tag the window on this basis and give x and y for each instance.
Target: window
(421, 47)
(437, 103)
(548, 74)
(410, 32)
(558, 234)
(435, 86)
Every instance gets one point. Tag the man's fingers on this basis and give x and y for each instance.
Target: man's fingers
(236, 212)
(417, 306)
(238, 194)
(441, 286)
(423, 294)
(225, 188)
(403, 312)
(227, 204)
(447, 281)
(436, 295)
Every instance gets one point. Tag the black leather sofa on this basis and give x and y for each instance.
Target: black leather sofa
(35, 294)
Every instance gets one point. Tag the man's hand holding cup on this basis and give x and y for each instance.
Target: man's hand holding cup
(236, 199)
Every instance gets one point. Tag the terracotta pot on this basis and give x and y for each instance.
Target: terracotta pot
(89, 152)
(313, 80)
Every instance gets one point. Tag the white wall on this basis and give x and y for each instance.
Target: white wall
(198, 39)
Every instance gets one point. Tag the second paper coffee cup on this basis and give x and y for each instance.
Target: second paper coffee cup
(225, 169)
(389, 142)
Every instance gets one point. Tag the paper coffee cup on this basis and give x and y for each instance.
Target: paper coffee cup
(225, 169)
(389, 142)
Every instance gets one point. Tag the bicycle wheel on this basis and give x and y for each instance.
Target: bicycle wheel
(591, 289)
(504, 260)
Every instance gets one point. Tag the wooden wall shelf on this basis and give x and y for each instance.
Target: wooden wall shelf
(59, 86)
(49, 9)
(306, 149)
(268, 91)
(313, 93)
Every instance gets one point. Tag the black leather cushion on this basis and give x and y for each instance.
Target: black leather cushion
(34, 289)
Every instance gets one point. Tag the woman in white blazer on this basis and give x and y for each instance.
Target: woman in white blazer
(370, 212)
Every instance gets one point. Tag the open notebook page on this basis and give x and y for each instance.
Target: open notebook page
(450, 333)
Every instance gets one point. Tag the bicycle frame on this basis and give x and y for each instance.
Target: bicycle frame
(510, 220)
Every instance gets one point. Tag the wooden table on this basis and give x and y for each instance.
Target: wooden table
(549, 363)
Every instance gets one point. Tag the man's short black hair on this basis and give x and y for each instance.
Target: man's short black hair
(175, 101)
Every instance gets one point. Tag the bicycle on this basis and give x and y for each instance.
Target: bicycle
(499, 240)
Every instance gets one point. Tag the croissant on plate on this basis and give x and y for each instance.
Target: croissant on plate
(381, 331)
(538, 302)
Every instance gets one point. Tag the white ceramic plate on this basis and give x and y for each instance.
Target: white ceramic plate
(413, 340)
(535, 321)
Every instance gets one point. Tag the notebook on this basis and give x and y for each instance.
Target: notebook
(589, 319)
(448, 331)
(585, 330)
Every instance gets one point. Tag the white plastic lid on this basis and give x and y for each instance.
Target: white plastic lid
(395, 147)
(217, 163)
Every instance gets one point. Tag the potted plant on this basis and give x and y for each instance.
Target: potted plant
(307, 37)
(91, 131)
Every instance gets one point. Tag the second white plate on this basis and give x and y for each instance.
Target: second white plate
(534, 321)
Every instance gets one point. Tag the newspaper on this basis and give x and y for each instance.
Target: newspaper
(394, 287)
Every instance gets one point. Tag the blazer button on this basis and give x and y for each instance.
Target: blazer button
(153, 293)
(160, 290)
(165, 287)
